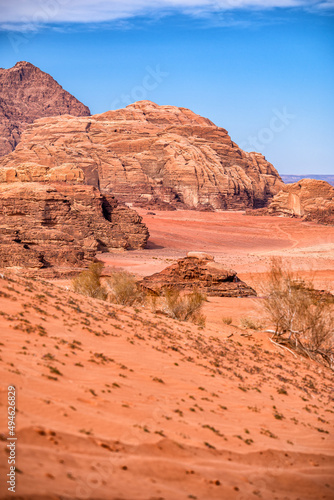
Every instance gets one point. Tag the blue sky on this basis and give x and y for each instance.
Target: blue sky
(262, 70)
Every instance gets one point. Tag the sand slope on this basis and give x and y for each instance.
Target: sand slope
(119, 403)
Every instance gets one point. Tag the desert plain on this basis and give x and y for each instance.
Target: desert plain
(122, 403)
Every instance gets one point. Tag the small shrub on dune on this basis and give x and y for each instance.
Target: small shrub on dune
(184, 307)
(250, 323)
(89, 282)
(123, 289)
(227, 320)
(303, 318)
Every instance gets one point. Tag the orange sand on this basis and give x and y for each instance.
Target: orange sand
(120, 403)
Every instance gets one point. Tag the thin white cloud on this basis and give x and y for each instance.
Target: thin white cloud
(29, 15)
(326, 5)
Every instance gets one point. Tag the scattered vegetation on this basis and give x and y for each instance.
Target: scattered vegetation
(209, 445)
(303, 316)
(89, 282)
(156, 379)
(123, 289)
(277, 414)
(184, 307)
(250, 323)
(227, 320)
(267, 432)
(55, 370)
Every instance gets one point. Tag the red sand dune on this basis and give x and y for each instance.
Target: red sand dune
(120, 403)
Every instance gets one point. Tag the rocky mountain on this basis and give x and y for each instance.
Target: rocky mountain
(198, 271)
(308, 198)
(304, 198)
(145, 154)
(27, 93)
(44, 225)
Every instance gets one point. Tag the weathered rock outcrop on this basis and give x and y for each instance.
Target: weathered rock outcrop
(308, 198)
(198, 272)
(142, 153)
(45, 225)
(27, 93)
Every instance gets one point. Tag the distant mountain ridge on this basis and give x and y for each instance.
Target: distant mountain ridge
(290, 179)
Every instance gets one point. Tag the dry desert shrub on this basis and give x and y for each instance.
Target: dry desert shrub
(303, 317)
(251, 323)
(123, 289)
(227, 320)
(89, 282)
(184, 307)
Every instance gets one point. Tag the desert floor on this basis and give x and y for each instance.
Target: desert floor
(243, 243)
(120, 403)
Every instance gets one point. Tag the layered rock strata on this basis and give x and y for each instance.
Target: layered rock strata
(303, 197)
(145, 153)
(45, 225)
(198, 272)
(309, 199)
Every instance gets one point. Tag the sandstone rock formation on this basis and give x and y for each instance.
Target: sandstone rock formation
(45, 220)
(27, 93)
(198, 273)
(144, 153)
(308, 198)
(45, 225)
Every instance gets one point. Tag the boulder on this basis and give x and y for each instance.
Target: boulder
(200, 255)
(195, 273)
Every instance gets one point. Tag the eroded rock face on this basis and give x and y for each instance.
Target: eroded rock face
(45, 225)
(27, 93)
(198, 273)
(308, 198)
(145, 153)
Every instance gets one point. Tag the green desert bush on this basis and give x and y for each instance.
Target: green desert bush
(89, 282)
(123, 289)
(184, 307)
(303, 317)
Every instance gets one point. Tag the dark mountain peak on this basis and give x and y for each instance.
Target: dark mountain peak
(28, 93)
